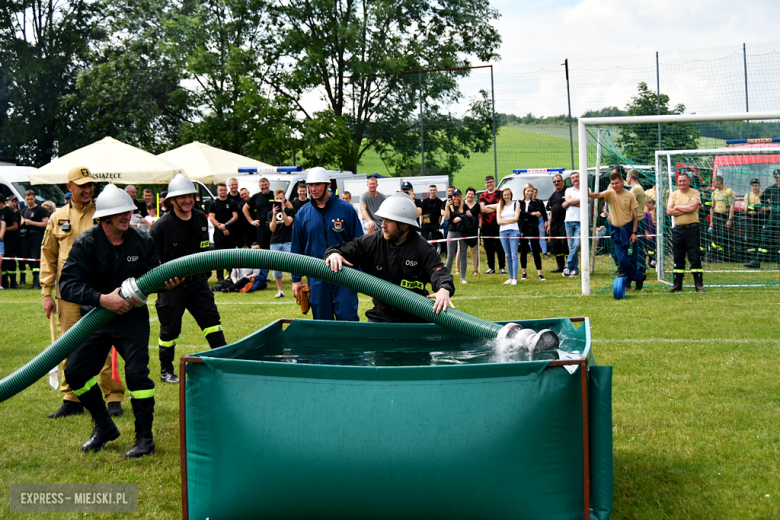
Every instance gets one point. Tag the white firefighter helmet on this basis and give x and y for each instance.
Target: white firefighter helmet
(399, 208)
(113, 201)
(317, 175)
(180, 185)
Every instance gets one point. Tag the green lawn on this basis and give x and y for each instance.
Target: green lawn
(521, 146)
(696, 396)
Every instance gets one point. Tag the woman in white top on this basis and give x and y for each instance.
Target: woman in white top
(507, 216)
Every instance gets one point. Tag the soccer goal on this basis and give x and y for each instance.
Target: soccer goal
(742, 253)
(739, 219)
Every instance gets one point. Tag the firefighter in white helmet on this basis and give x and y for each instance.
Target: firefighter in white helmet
(398, 255)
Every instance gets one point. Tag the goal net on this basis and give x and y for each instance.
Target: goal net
(739, 219)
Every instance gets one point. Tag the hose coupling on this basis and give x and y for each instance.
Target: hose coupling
(132, 294)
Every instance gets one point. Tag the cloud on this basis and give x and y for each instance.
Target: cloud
(611, 47)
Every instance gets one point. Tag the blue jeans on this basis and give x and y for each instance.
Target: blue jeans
(641, 255)
(573, 230)
(283, 246)
(509, 241)
(542, 243)
(621, 242)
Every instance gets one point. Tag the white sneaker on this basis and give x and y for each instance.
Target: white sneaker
(514, 282)
(280, 294)
(463, 281)
(566, 272)
(508, 282)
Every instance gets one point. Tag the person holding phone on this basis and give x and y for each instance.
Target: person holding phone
(281, 221)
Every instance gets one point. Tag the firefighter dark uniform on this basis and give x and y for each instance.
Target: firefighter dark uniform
(176, 238)
(96, 267)
(686, 241)
(755, 218)
(13, 244)
(411, 265)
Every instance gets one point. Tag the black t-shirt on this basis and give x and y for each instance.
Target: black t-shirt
(237, 201)
(262, 204)
(36, 214)
(298, 203)
(223, 212)
(475, 210)
(283, 233)
(555, 207)
(431, 211)
(7, 215)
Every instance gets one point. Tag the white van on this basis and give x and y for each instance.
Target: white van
(15, 180)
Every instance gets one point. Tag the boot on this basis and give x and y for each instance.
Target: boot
(104, 430)
(22, 278)
(699, 282)
(166, 365)
(144, 440)
(4, 282)
(561, 264)
(68, 408)
(36, 283)
(12, 279)
(678, 280)
(220, 276)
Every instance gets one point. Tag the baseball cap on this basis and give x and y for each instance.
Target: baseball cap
(456, 191)
(406, 186)
(80, 175)
(776, 173)
(755, 181)
(11, 198)
(69, 195)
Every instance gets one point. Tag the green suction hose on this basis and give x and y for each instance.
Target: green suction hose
(187, 266)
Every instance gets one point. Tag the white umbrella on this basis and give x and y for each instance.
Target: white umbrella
(207, 164)
(109, 160)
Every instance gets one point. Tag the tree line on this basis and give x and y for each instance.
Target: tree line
(237, 74)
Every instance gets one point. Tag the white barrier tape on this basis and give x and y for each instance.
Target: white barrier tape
(526, 238)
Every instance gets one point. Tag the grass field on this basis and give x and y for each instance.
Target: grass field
(520, 146)
(696, 396)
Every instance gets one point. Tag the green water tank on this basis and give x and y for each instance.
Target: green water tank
(289, 440)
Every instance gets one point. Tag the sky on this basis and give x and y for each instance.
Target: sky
(611, 45)
(548, 30)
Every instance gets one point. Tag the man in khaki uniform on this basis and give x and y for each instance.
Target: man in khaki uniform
(721, 217)
(65, 225)
(684, 206)
(623, 216)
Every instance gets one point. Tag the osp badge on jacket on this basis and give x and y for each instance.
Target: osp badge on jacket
(338, 225)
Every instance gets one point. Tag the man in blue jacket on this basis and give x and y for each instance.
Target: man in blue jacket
(326, 222)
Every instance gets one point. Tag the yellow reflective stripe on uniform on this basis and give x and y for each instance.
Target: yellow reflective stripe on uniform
(406, 284)
(716, 246)
(762, 250)
(697, 270)
(142, 394)
(92, 382)
(205, 243)
(679, 271)
(161, 343)
(211, 330)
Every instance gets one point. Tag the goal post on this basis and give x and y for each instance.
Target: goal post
(582, 129)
